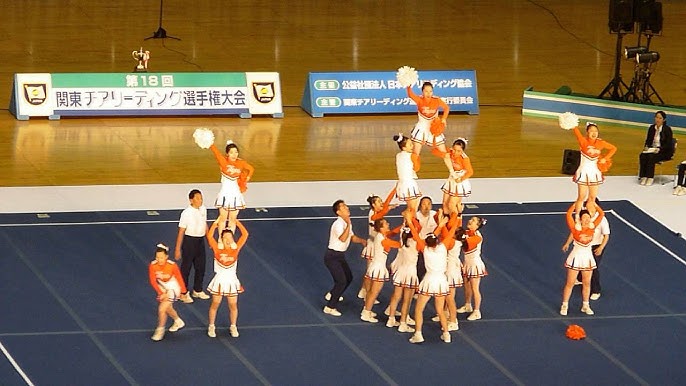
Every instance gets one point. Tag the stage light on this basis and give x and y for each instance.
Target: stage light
(648, 57)
(630, 52)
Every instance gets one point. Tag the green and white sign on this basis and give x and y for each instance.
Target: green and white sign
(144, 94)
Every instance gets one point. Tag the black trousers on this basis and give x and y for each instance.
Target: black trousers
(647, 161)
(421, 267)
(681, 181)
(595, 279)
(340, 272)
(193, 256)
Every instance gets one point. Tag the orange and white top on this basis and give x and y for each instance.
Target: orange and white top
(162, 273)
(428, 108)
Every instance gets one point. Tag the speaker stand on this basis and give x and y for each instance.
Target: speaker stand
(161, 33)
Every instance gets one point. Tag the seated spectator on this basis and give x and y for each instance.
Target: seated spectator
(658, 147)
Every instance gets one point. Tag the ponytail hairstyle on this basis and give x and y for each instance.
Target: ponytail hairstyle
(162, 248)
(431, 240)
(371, 198)
(405, 234)
(462, 142)
(401, 140)
(427, 84)
(482, 221)
(230, 145)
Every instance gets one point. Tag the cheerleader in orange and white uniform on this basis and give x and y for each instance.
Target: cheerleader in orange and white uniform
(405, 282)
(453, 236)
(589, 175)
(435, 283)
(581, 258)
(457, 185)
(378, 209)
(474, 268)
(429, 127)
(377, 272)
(165, 278)
(407, 165)
(225, 282)
(235, 174)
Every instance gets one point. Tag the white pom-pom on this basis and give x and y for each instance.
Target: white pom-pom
(568, 120)
(203, 137)
(407, 76)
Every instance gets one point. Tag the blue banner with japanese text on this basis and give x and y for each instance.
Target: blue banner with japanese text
(380, 92)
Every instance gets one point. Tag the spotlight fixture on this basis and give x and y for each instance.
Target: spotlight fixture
(631, 52)
(648, 57)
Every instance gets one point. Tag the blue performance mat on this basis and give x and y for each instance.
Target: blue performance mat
(77, 308)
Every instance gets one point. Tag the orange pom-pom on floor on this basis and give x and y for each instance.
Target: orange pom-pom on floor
(575, 332)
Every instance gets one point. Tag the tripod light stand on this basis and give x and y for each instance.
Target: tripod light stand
(616, 88)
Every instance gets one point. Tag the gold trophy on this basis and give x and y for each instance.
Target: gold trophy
(142, 57)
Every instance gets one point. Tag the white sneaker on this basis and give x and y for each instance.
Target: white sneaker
(328, 297)
(438, 319)
(410, 321)
(682, 191)
(331, 311)
(476, 315)
(587, 310)
(186, 298)
(595, 296)
(368, 317)
(233, 330)
(392, 322)
(643, 181)
(177, 325)
(158, 335)
(676, 190)
(563, 309)
(417, 337)
(211, 331)
(453, 326)
(200, 295)
(446, 337)
(387, 311)
(405, 328)
(464, 309)
(362, 293)
(578, 282)
(649, 181)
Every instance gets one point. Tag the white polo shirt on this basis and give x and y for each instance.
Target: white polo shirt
(427, 223)
(194, 220)
(337, 229)
(600, 231)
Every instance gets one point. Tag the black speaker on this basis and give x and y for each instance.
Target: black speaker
(621, 20)
(570, 161)
(649, 16)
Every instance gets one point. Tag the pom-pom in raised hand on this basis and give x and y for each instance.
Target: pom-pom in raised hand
(407, 76)
(203, 137)
(568, 120)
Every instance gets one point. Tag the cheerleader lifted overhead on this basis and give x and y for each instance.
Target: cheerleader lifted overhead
(235, 174)
(430, 126)
(594, 162)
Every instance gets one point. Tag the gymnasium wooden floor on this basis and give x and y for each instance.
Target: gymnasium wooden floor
(511, 44)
